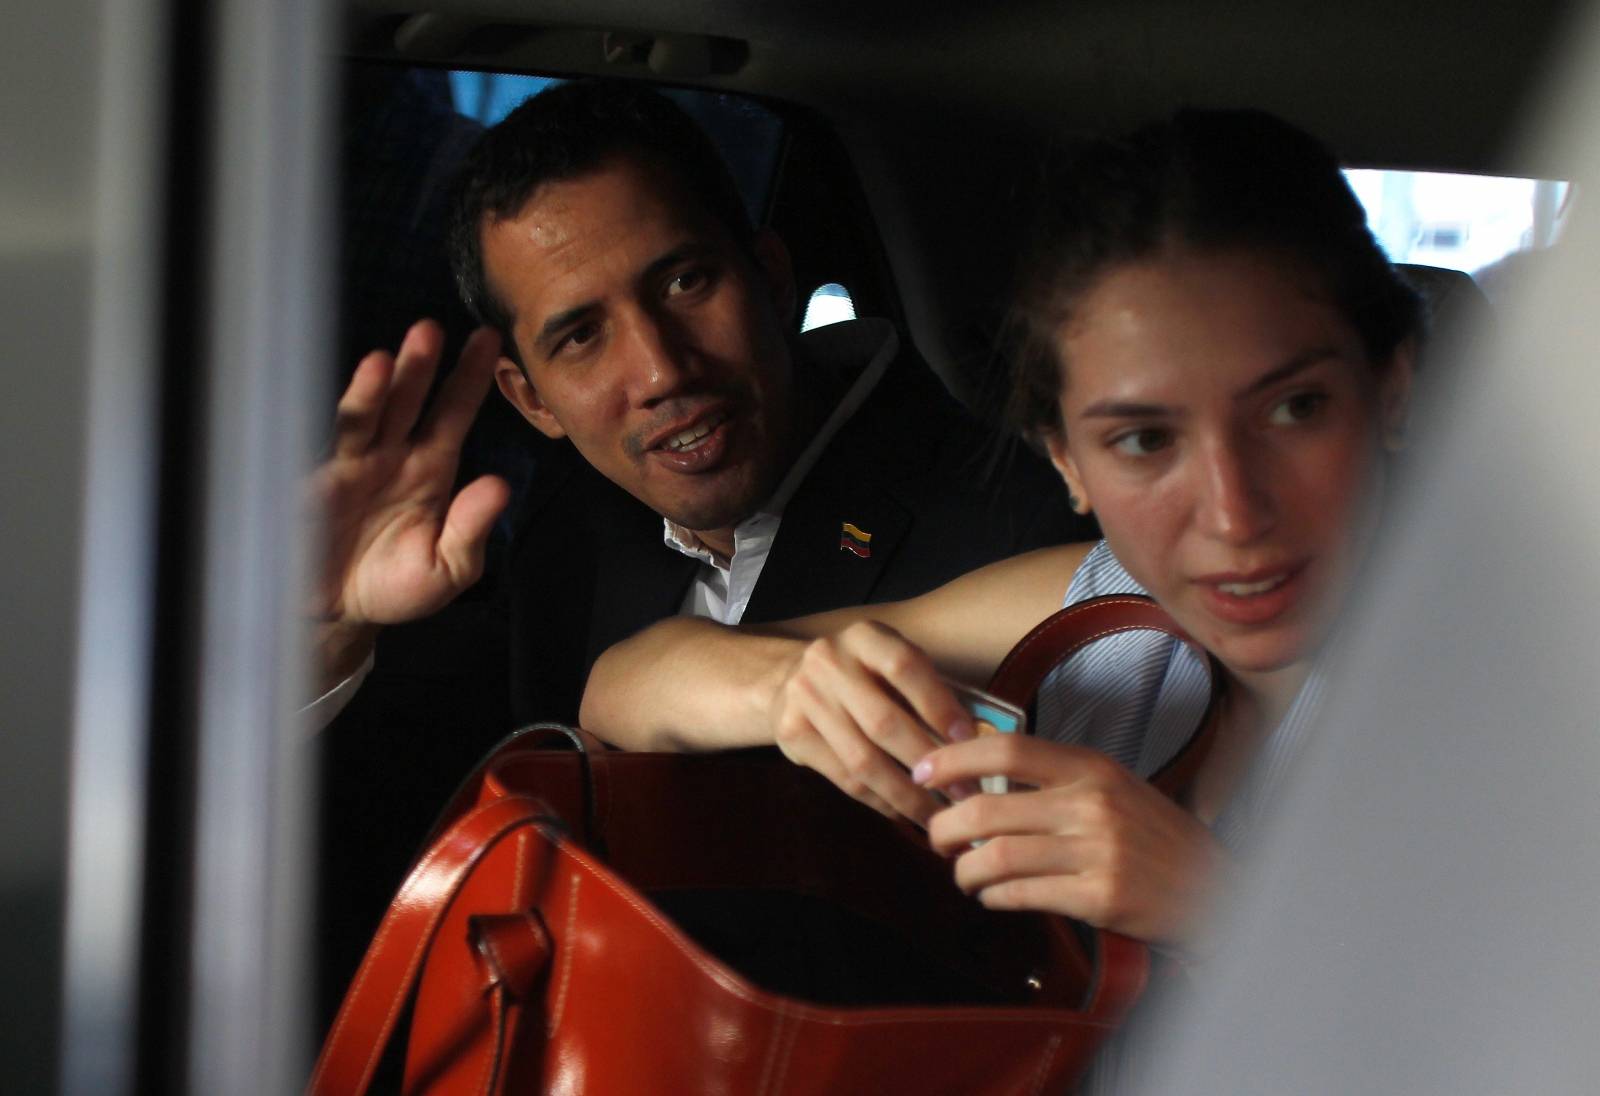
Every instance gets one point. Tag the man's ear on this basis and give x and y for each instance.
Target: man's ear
(1055, 443)
(1394, 395)
(514, 386)
(772, 255)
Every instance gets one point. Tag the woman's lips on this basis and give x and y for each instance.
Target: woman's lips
(1256, 597)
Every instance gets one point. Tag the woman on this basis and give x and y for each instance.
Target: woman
(1216, 356)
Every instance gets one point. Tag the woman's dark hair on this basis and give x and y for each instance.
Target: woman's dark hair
(1207, 179)
(568, 131)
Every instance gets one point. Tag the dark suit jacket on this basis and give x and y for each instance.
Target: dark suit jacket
(911, 467)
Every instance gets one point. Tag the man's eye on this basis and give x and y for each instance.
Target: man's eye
(1140, 443)
(687, 282)
(1296, 408)
(579, 337)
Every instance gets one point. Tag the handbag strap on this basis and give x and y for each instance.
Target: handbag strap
(393, 962)
(591, 753)
(1067, 631)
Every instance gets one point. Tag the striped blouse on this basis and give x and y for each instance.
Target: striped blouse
(1138, 696)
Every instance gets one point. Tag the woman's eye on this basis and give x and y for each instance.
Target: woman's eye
(1297, 408)
(1140, 443)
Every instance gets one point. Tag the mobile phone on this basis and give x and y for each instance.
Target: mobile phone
(991, 715)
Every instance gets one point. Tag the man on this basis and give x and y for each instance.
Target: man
(643, 320)
(705, 460)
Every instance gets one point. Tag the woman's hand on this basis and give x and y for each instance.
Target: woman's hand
(1091, 841)
(862, 707)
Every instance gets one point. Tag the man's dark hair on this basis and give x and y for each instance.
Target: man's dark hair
(1208, 179)
(568, 131)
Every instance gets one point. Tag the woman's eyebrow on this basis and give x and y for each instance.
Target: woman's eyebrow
(1304, 360)
(1132, 409)
(1123, 409)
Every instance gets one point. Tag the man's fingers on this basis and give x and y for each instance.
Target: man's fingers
(864, 771)
(1020, 757)
(462, 392)
(879, 715)
(911, 674)
(360, 409)
(465, 534)
(414, 367)
(829, 767)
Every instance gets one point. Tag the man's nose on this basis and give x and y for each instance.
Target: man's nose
(658, 362)
(1236, 504)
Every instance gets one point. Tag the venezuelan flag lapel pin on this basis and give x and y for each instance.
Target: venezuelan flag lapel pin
(854, 540)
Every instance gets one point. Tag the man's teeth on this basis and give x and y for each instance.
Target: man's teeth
(1246, 589)
(687, 439)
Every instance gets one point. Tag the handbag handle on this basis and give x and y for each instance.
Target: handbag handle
(1067, 631)
(393, 962)
(535, 736)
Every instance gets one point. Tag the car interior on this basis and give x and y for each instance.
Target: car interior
(889, 144)
(908, 134)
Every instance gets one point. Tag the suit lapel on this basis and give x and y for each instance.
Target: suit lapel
(807, 569)
(638, 579)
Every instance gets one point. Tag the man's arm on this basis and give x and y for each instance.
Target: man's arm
(395, 545)
(854, 693)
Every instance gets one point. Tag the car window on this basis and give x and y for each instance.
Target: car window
(1485, 225)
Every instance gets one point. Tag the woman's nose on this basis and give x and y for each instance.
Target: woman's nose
(1236, 504)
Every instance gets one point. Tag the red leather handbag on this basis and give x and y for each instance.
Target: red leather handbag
(593, 921)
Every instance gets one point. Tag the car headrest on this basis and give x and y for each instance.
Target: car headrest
(1457, 309)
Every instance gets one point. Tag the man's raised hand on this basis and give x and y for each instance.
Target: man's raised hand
(396, 546)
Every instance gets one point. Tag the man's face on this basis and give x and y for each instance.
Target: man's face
(651, 339)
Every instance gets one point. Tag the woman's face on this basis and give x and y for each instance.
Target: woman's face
(1224, 423)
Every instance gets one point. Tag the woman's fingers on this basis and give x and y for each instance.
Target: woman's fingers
(1020, 856)
(1075, 896)
(1022, 758)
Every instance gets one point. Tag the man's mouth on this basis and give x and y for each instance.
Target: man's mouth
(694, 436)
(697, 445)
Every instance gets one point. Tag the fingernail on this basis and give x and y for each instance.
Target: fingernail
(922, 771)
(961, 730)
